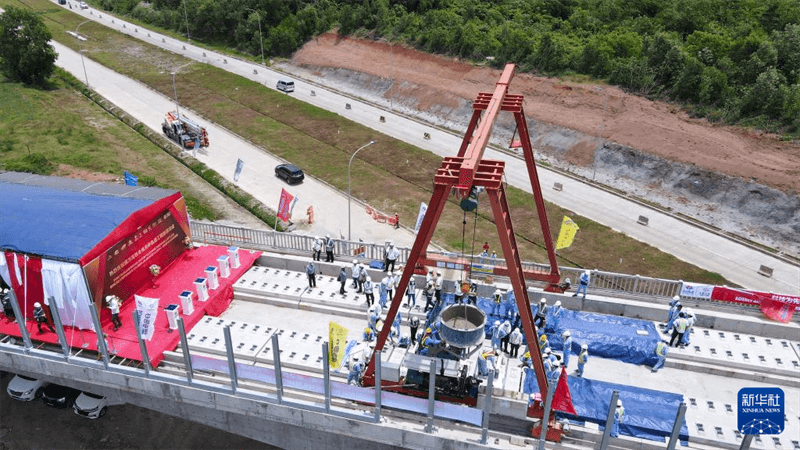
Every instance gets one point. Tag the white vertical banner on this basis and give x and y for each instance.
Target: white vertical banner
(423, 208)
(147, 307)
(238, 171)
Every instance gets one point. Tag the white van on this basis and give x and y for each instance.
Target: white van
(285, 86)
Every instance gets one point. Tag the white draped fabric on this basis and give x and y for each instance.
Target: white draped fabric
(65, 282)
(4, 273)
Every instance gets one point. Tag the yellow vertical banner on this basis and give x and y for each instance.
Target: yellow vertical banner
(567, 233)
(337, 341)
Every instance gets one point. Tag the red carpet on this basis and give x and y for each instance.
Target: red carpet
(179, 276)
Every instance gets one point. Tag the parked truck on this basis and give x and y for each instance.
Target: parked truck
(184, 131)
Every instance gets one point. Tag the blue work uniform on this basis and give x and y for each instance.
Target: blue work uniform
(582, 285)
(567, 351)
(355, 372)
(583, 358)
(618, 415)
(661, 353)
(483, 359)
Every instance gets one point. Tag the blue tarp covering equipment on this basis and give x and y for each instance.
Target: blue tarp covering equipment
(649, 414)
(59, 224)
(611, 337)
(614, 337)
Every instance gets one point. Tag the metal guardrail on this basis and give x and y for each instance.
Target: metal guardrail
(623, 285)
(276, 378)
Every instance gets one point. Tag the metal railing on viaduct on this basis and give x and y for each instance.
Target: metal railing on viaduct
(618, 285)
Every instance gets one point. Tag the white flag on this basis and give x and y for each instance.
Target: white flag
(147, 308)
(423, 208)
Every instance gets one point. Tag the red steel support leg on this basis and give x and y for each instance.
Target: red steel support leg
(502, 219)
(527, 151)
(473, 122)
(438, 200)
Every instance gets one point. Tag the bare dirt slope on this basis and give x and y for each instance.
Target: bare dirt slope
(744, 182)
(655, 127)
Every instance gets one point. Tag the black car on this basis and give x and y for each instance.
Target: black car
(59, 396)
(290, 173)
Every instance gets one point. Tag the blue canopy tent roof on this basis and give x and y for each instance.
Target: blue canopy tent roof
(61, 218)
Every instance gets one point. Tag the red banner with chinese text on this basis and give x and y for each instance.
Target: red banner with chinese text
(777, 307)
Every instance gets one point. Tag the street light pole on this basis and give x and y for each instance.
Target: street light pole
(174, 90)
(186, 16)
(348, 185)
(260, 36)
(391, 100)
(81, 51)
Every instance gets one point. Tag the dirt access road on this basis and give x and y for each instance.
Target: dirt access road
(433, 83)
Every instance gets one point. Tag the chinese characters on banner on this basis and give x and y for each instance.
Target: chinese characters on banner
(337, 341)
(286, 205)
(147, 308)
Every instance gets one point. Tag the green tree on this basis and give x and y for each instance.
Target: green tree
(787, 43)
(767, 96)
(25, 53)
(714, 87)
(688, 84)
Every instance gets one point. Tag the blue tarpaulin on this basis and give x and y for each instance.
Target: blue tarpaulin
(649, 414)
(60, 224)
(612, 337)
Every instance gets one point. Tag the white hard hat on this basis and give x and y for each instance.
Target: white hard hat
(587, 272)
(37, 305)
(547, 351)
(391, 245)
(438, 273)
(369, 278)
(355, 261)
(497, 292)
(542, 300)
(556, 364)
(584, 346)
(496, 322)
(619, 402)
(566, 333)
(676, 298)
(532, 396)
(344, 266)
(328, 235)
(558, 303)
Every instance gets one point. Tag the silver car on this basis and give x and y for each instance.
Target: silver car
(90, 405)
(25, 388)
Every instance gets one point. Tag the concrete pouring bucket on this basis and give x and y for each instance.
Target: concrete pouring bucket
(463, 325)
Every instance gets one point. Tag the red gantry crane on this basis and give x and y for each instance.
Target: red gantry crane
(463, 172)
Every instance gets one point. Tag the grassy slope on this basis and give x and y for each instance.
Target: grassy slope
(70, 131)
(391, 175)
